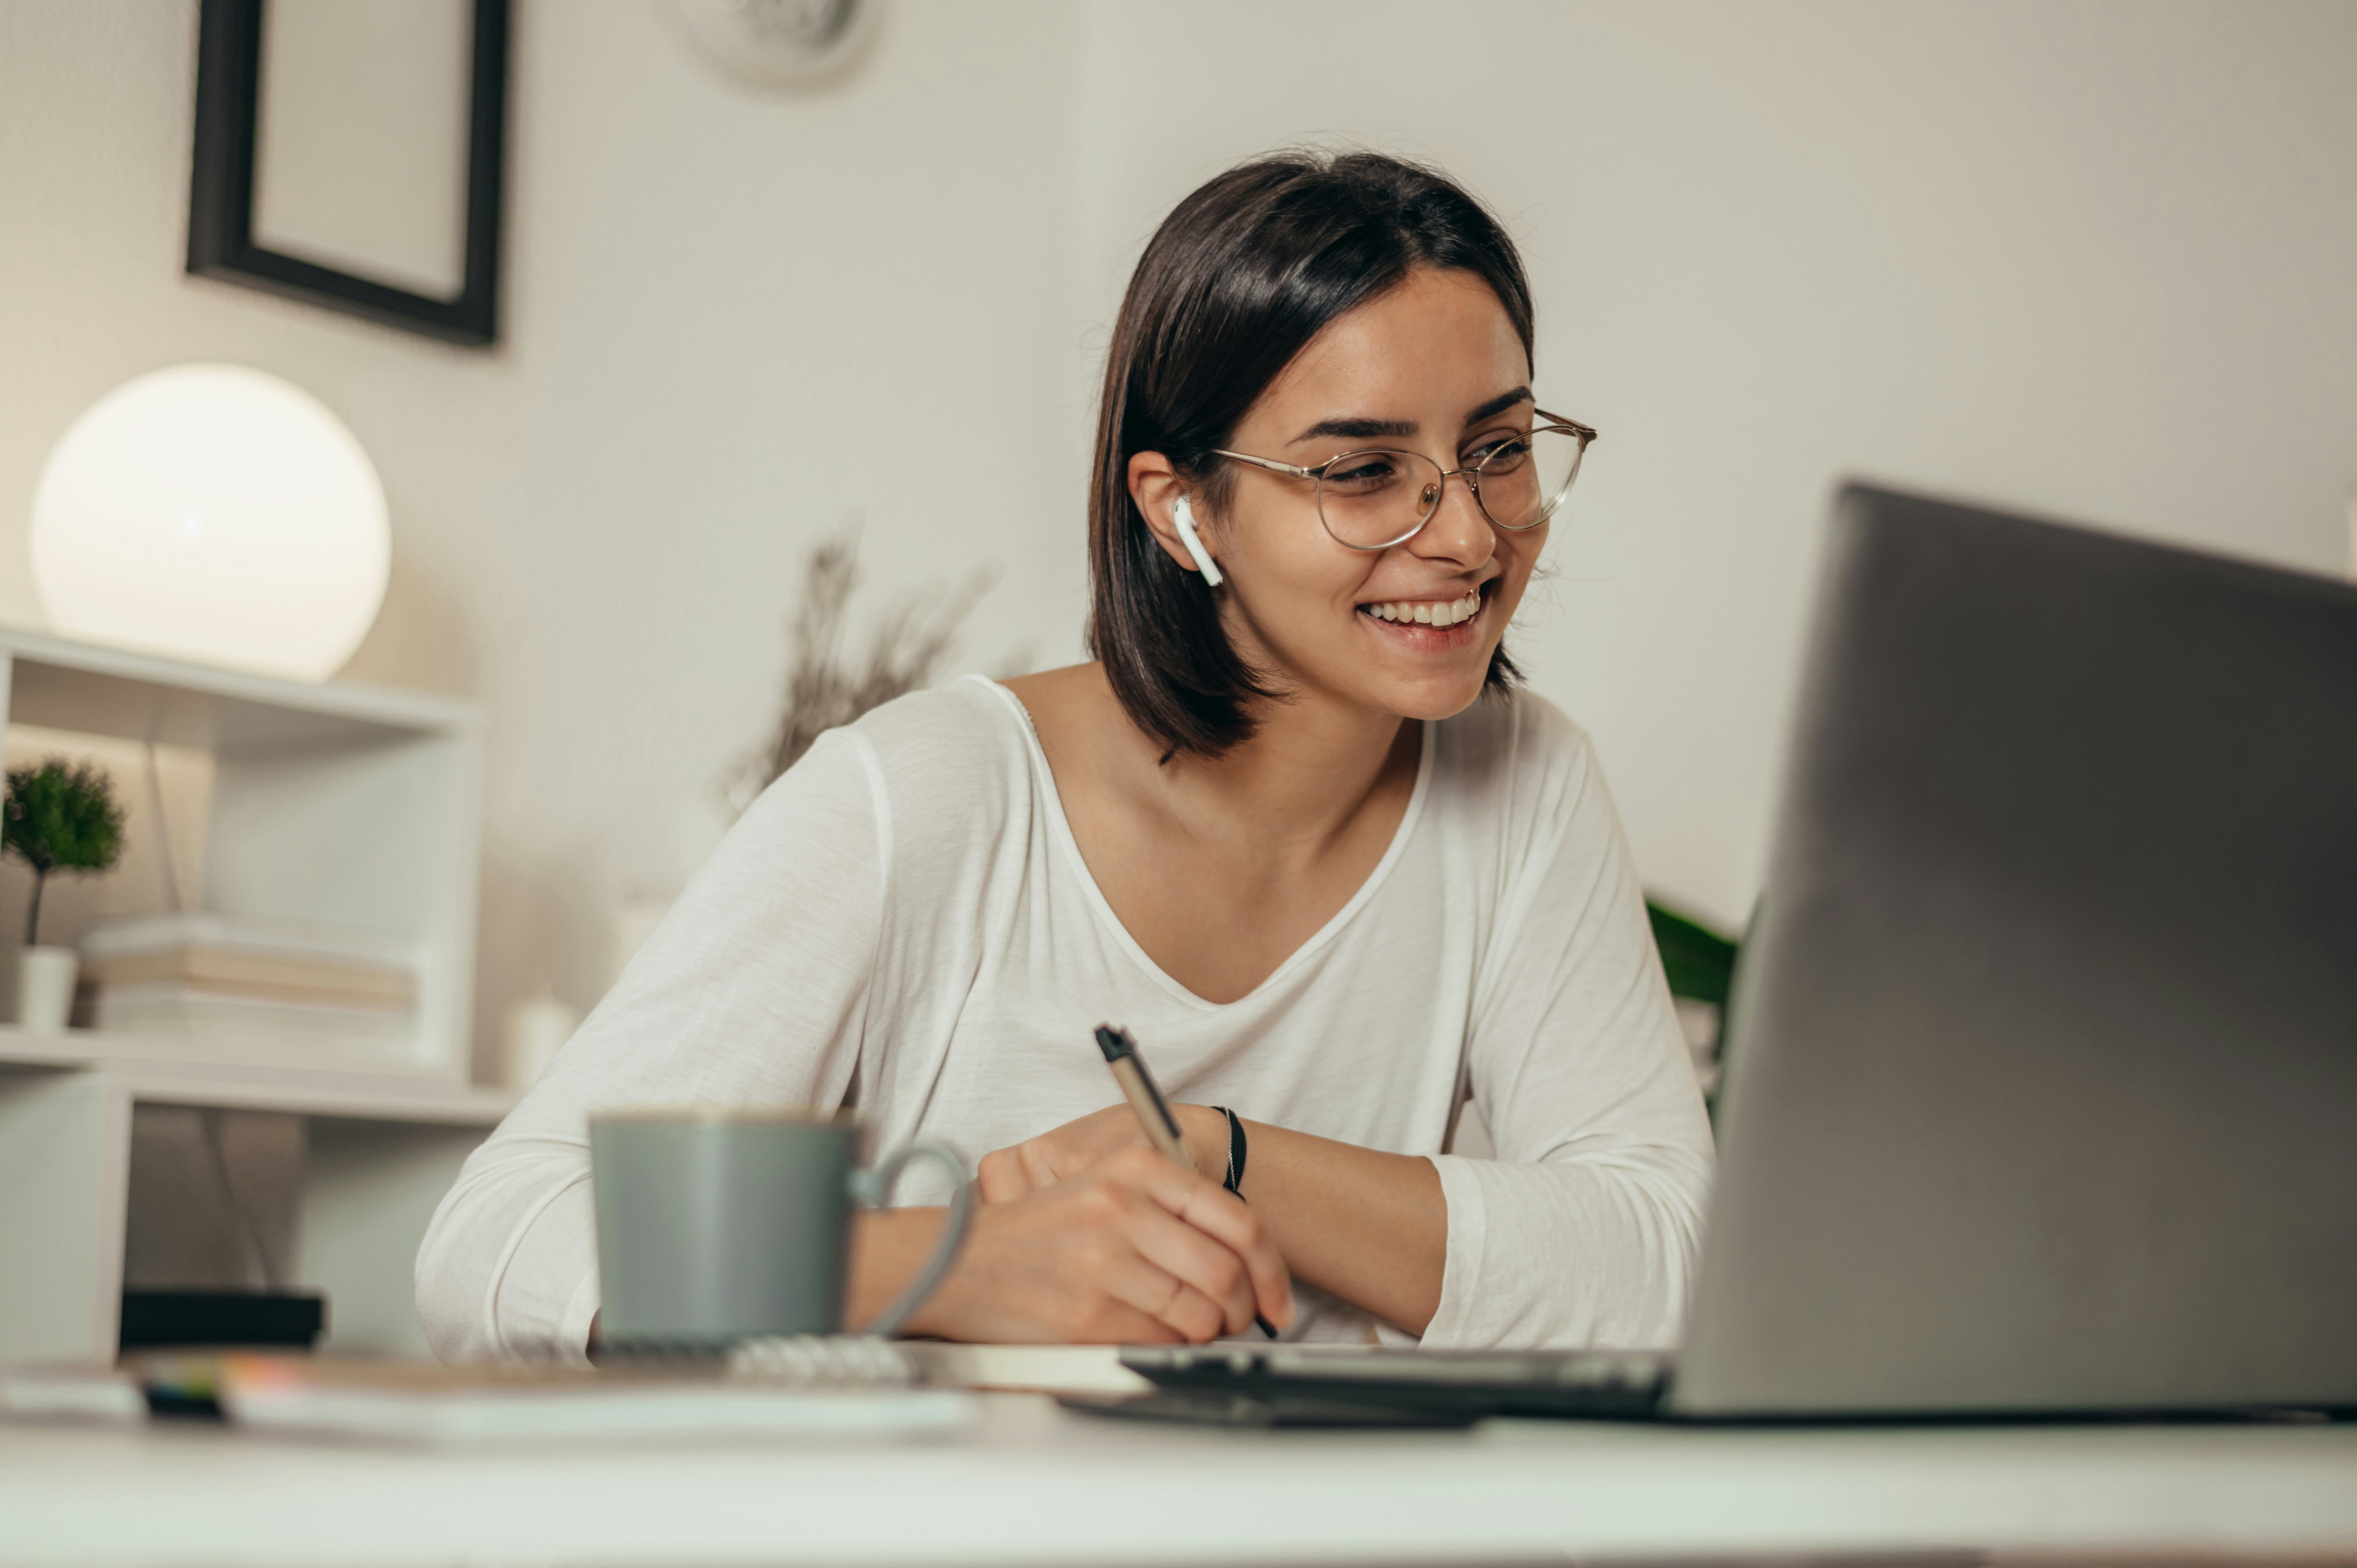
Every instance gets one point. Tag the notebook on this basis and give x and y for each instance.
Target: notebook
(1025, 1368)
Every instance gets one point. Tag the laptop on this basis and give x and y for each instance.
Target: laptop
(2042, 1092)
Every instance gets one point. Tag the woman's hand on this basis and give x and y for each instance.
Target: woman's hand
(1076, 1146)
(1130, 1251)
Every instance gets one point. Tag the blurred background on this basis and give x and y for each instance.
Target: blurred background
(2093, 260)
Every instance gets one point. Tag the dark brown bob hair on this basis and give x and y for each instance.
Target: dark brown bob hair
(1239, 278)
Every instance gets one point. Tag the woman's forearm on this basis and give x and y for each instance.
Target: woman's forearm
(1365, 1226)
(1368, 1226)
(887, 1247)
(1132, 1251)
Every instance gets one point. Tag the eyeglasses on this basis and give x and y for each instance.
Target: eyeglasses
(1374, 498)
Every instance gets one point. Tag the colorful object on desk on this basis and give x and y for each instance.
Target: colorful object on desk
(413, 1403)
(124, 1393)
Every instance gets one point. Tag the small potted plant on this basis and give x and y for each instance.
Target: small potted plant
(60, 816)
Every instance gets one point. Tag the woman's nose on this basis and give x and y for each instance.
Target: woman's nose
(1458, 531)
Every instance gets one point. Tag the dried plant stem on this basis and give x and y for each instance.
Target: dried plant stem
(826, 690)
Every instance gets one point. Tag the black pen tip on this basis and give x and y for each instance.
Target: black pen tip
(1114, 1043)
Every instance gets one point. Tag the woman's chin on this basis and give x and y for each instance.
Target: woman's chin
(1426, 693)
(1428, 703)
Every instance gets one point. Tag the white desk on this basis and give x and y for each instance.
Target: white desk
(1036, 1485)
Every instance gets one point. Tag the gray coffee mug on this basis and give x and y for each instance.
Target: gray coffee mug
(724, 1225)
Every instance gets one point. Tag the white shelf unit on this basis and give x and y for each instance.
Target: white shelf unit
(345, 804)
(349, 805)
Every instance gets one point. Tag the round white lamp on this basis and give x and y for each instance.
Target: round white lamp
(216, 513)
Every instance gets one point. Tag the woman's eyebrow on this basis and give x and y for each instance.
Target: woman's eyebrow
(1364, 429)
(1499, 404)
(1358, 429)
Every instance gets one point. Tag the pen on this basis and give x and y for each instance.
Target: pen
(1152, 1111)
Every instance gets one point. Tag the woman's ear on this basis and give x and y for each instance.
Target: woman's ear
(1155, 487)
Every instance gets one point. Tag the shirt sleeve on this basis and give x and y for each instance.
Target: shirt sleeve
(1584, 1229)
(752, 990)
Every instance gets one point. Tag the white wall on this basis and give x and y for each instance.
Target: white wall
(2099, 260)
(2093, 259)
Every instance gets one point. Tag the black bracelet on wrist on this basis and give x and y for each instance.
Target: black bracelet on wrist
(1236, 1151)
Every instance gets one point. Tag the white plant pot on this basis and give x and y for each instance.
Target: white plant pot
(537, 1029)
(45, 988)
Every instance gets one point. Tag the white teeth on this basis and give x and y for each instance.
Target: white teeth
(1424, 612)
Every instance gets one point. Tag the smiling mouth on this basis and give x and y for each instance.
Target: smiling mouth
(1431, 622)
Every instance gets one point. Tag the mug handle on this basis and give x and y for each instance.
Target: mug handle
(870, 1187)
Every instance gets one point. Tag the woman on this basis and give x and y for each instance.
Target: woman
(1294, 828)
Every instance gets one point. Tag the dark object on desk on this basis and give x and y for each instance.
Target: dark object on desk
(1272, 1408)
(156, 1320)
(2044, 1062)
(1440, 1388)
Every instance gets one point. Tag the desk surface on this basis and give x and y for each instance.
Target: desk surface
(1037, 1486)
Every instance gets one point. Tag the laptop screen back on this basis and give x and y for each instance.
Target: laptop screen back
(2043, 1090)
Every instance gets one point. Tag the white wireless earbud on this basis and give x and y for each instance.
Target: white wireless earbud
(1185, 513)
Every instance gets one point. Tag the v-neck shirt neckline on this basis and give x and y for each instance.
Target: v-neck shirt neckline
(1060, 826)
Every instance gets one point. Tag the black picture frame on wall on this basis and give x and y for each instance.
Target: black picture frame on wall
(221, 185)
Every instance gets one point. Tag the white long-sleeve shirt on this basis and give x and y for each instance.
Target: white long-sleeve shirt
(904, 920)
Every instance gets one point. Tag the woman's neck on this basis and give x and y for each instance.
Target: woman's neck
(1311, 768)
(1299, 787)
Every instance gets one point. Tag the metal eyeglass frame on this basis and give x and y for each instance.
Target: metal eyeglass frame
(1472, 476)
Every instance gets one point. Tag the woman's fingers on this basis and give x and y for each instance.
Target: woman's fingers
(1204, 1267)
(1129, 1248)
(1169, 1300)
(1117, 1322)
(1220, 1215)
(999, 1177)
